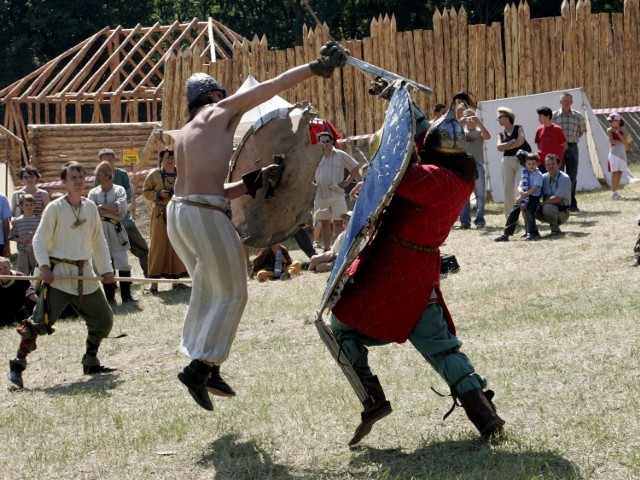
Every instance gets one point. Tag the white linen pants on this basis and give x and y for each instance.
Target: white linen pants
(208, 245)
(511, 174)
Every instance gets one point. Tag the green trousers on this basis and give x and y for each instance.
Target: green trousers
(431, 338)
(94, 309)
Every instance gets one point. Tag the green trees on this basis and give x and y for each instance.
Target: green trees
(35, 31)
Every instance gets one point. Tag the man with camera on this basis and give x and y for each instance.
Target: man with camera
(556, 195)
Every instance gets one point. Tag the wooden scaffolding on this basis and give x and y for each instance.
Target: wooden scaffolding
(115, 76)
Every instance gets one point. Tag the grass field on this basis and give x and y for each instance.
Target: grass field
(552, 324)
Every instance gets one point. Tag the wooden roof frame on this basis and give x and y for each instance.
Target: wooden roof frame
(131, 63)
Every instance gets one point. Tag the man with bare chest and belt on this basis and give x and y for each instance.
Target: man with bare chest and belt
(197, 223)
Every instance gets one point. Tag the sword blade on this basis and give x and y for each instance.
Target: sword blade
(387, 75)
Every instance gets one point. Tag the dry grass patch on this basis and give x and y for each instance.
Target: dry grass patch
(552, 325)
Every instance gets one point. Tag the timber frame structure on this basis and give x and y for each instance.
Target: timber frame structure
(114, 76)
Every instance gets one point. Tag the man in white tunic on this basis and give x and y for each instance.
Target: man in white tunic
(68, 236)
(198, 227)
(111, 200)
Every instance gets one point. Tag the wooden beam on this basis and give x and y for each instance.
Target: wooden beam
(93, 80)
(126, 60)
(212, 41)
(145, 60)
(66, 72)
(82, 74)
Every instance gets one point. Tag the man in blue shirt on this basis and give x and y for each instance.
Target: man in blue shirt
(556, 195)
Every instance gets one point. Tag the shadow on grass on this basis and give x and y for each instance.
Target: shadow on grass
(230, 458)
(465, 459)
(97, 386)
(173, 297)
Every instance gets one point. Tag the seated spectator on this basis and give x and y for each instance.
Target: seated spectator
(324, 261)
(303, 240)
(530, 189)
(356, 190)
(29, 177)
(17, 297)
(556, 195)
(22, 230)
(273, 263)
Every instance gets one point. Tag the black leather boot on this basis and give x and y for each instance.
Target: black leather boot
(376, 408)
(482, 412)
(216, 384)
(125, 287)
(15, 373)
(110, 292)
(195, 376)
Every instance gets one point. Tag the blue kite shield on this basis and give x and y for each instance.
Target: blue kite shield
(386, 169)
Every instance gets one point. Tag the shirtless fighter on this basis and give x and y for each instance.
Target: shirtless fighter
(198, 226)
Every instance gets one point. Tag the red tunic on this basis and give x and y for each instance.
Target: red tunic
(392, 283)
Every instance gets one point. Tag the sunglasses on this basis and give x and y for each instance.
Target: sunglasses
(502, 116)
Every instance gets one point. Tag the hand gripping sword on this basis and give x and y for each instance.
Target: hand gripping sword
(365, 66)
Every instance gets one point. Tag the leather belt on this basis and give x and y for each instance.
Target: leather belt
(413, 246)
(78, 263)
(201, 205)
(112, 221)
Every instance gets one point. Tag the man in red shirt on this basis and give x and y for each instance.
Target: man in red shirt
(549, 138)
(395, 293)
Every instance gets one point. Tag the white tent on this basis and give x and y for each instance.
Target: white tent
(593, 147)
(275, 103)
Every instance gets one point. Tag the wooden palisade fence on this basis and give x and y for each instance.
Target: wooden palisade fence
(523, 56)
(144, 69)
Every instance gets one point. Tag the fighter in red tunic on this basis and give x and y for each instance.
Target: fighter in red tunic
(395, 294)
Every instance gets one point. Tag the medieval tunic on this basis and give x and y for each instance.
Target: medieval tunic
(392, 283)
(163, 260)
(114, 231)
(57, 237)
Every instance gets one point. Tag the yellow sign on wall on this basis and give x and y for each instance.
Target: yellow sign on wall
(131, 156)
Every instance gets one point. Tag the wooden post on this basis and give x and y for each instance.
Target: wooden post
(438, 55)
(463, 56)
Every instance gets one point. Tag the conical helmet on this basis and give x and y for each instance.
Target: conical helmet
(446, 135)
(200, 82)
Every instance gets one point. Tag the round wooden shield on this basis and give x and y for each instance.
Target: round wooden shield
(260, 221)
